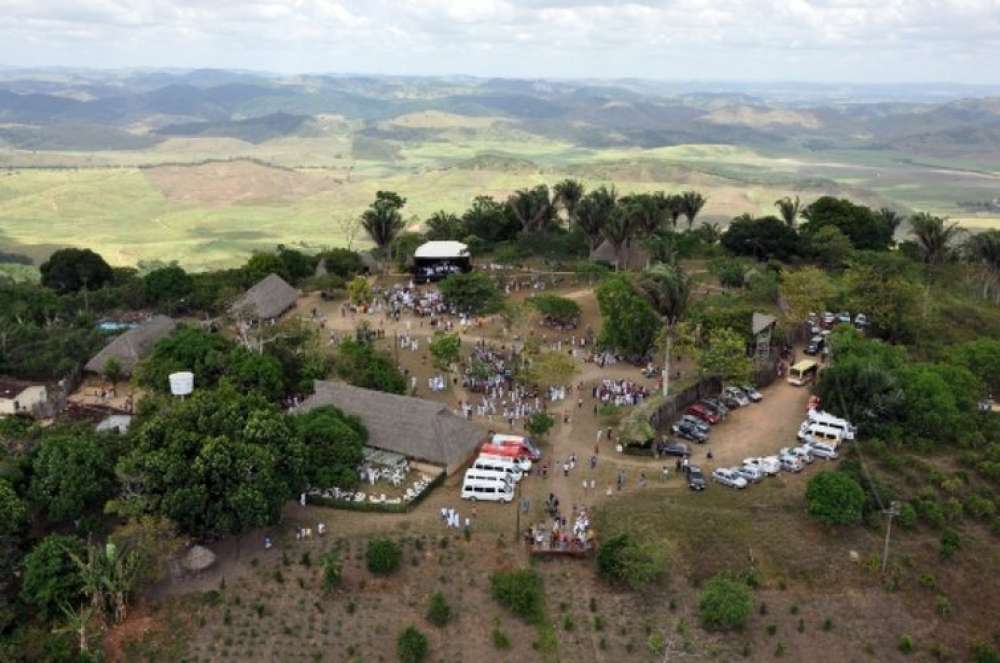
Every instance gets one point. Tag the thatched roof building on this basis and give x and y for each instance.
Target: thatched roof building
(267, 300)
(419, 429)
(132, 346)
(633, 255)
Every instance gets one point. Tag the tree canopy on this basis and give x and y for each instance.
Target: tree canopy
(867, 229)
(70, 270)
(763, 238)
(628, 321)
(334, 445)
(73, 473)
(835, 498)
(471, 293)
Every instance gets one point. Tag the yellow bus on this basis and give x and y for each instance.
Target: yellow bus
(803, 373)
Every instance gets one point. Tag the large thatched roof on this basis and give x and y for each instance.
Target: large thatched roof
(129, 348)
(633, 256)
(268, 299)
(416, 428)
(761, 321)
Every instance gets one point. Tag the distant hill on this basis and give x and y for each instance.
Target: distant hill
(252, 130)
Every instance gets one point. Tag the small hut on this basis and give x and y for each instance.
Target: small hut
(433, 261)
(267, 300)
(631, 257)
(132, 346)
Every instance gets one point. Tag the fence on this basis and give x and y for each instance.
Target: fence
(669, 411)
(380, 507)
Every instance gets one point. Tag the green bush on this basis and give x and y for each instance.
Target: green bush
(983, 652)
(438, 612)
(980, 507)
(333, 570)
(725, 603)
(521, 592)
(411, 645)
(950, 543)
(905, 645)
(622, 559)
(907, 517)
(383, 556)
(500, 639)
(835, 498)
(51, 579)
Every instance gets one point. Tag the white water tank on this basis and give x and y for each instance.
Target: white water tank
(182, 383)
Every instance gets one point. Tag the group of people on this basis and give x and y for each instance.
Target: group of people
(489, 368)
(437, 383)
(452, 518)
(620, 392)
(559, 535)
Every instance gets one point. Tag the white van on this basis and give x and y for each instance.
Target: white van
(820, 433)
(479, 490)
(504, 465)
(827, 419)
(488, 475)
(523, 464)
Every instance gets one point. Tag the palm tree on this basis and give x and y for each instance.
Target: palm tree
(789, 209)
(533, 208)
(568, 194)
(646, 212)
(675, 207)
(691, 204)
(711, 232)
(593, 212)
(890, 217)
(109, 575)
(983, 250)
(668, 290)
(383, 221)
(78, 624)
(934, 237)
(618, 230)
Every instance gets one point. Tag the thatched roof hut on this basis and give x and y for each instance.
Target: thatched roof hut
(132, 346)
(633, 255)
(267, 300)
(419, 429)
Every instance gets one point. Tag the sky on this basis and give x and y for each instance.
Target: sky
(865, 41)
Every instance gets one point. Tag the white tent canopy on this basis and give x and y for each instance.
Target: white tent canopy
(441, 251)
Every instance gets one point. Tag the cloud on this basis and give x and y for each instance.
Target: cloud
(810, 39)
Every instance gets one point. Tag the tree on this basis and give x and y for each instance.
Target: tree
(725, 356)
(490, 221)
(935, 237)
(72, 270)
(982, 358)
(155, 543)
(349, 226)
(13, 513)
(732, 272)
(217, 463)
(645, 211)
(359, 290)
(334, 445)
(72, 473)
(668, 290)
(938, 401)
(445, 349)
(295, 264)
(887, 298)
(622, 559)
(110, 575)
(628, 321)
(342, 262)
(835, 498)
(187, 349)
(830, 247)
(521, 591)
(403, 248)
(438, 610)
(359, 363)
(444, 226)
(261, 265)
(568, 195)
(593, 212)
(983, 251)
(411, 647)
(618, 230)
(50, 578)
(764, 238)
(725, 603)
(862, 391)
(113, 371)
(168, 286)
(559, 310)
(866, 229)
(690, 203)
(333, 570)
(789, 209)
(254, 371)
(805, 291)
(472, 293)
(540, 424)
(383, 220)
(383, 556)
(533, 208)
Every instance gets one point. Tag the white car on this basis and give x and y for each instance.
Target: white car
(844, 318)
(729, 477)
(751, 473)
(828, 318)
(752, 393)
(769, 465)
(861, 321)
(791, 463)
(737, 395)
(823, 450)
(803, 453)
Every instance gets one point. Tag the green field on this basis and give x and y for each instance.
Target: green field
(292, 190)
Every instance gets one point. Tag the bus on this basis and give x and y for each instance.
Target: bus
(803, 373)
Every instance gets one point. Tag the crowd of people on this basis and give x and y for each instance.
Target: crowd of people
(620, 393)
(558, 535)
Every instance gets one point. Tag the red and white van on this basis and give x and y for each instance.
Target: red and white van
(527, 447)
(512, 453)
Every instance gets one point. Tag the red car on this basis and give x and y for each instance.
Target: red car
(702, 412)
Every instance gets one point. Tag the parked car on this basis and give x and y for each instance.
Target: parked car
(697, 423)
(688, 431)
(729, 477)
(716, 405)
(769, 465)
(844, 318)
(737, 394)
(729, 402)
(750, 473)
(823, 450)
(815, 345)
(696, 478)
(700, 411)
(828, 319)
(752, 393)
(802, 452)
(674, 449)
(861, 321)
(791, 463)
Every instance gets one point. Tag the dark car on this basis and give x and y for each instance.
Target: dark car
(696, 480)
(679, 449)
(703, 413)
(689, 431)
(730, 401)
(715, 405)
(815, 346)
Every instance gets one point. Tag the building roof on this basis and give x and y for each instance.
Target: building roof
(761, 321)
(11, 388)
(416, 428)
(268, 299)
(115, 422)
(130, 347)
(441, 250)
(633, 256)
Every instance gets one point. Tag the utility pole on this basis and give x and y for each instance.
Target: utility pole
(891, 512)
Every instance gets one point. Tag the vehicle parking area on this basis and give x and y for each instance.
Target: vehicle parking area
(758, 429)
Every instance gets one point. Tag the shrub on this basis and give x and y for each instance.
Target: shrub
(411, 645)
(835, 498)
(726, 603)
(50, 578)
(333, 570)
(622, 559)
(905, 645)
(983, 652)
(656, 644)
(943, 606)
(980, 507)
(500, 639)
(383, 556)
(438, 611)
(950, 543)
(521, 592)
(907, 517)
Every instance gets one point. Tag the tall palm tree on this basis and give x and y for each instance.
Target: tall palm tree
(675, 207)
(890, 217)
(691, 204)
(383, 221)
(646, 211)
(668, 290)
(789, 209)
(533, 208)
(618, 230)
(983, 250)
(568, 194)
(593, 211)
(934, 237)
